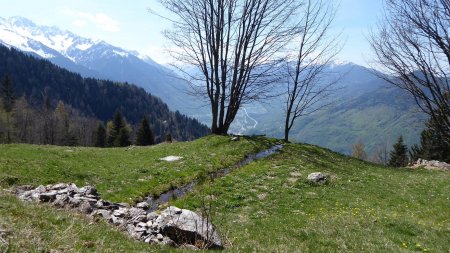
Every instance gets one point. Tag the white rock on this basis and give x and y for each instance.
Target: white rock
(317, 177)
(171, 158)
(184, 226)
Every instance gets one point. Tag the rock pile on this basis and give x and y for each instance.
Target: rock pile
(173, 226)
(430, 164)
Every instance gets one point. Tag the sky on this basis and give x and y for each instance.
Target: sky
(129, 25)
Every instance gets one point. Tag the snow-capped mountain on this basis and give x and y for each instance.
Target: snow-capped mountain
(94, 59)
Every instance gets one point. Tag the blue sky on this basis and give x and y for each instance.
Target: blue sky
(129, 25)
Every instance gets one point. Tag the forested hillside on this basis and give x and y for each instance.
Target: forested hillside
(39, 80)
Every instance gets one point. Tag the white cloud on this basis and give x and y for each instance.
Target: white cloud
(100, 20)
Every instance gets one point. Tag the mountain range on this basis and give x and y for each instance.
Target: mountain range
(96, 59)
(365, 107)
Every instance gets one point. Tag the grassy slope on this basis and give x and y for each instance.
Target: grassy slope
(265, 206)
(269, 207)
(122, 175)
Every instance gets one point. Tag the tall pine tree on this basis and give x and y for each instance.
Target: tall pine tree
(144, 135)
(399, 156)
(118, 132)
(100, 136)
(114, 128)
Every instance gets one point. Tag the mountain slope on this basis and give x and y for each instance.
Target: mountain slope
(96, 59)
(365, 108)
(37, 79)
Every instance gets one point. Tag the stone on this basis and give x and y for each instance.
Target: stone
(58, 186)
(122, 204)
(317, 178)
(86, 199)
(87, 190)
(103, 213)
(117, 220)
(160, 237)
(40, 189)
(47, 196)
(148, 239)
(152, 216)
(74, 202)
(142, 205)
(61, 200)
(99, 204)
(184, 226)
(85, 207)
(121, 212)
(134, 212)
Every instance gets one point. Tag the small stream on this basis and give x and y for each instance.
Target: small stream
(183, 190)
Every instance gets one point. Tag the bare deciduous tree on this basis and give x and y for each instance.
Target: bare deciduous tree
(235, 45)
(358, 150)
(412, 47)
(314, 48)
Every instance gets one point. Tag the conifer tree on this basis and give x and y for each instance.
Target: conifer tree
(114, 128)
(169, 138)
(8, 99)
(123, 138)
(100, 136)
(398, 156)
(144, 134)
(432, 146)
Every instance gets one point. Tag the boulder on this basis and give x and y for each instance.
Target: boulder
(184, 226)
(317, 178)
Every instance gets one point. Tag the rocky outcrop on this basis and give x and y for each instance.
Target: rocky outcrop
(430, 164)
(317, 178)
(174, 226)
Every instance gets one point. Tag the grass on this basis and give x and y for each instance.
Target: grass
(266, 206)
(122, 174)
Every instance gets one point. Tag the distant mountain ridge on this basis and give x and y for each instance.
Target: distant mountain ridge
(96, 59)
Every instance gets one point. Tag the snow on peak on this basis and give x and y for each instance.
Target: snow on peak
(25, 35)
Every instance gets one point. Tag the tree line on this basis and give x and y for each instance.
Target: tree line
(431, 147)
(41, 82)
(63, 125)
